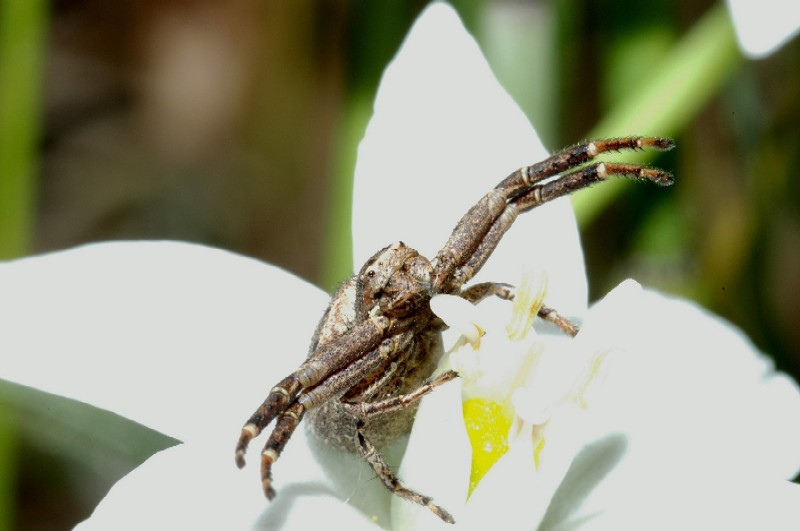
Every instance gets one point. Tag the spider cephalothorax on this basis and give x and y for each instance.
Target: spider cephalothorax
(377, 346)
(394, 282)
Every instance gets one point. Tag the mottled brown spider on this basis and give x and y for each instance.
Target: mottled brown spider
(374, 351)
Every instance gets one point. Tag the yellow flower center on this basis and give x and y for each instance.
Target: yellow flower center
(488, 423)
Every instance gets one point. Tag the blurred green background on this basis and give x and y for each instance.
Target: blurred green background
(235, 124)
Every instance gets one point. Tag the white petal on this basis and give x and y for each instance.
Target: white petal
(436, 462)
(193, 486)
(698, 503)
(763, 26)
(508, 493)
(691, 399)
(559, 489)
(569, 367)
(187, 340)
(444, 133)
(514, 489)
(182, 338)
(693, 388)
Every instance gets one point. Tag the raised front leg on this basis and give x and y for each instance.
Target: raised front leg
(477, 233)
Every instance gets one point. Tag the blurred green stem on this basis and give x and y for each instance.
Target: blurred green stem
(21, 62)
(690, 76)
(8, 451)
(338, 253)
(22, 31)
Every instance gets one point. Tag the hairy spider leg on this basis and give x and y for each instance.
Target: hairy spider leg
(478, 292)
(552, 316)
(483, 290)
(284, 428)
(365, 410)
(276, 402)
(384, 472)
(541, 193)
(574, 156)
(310, 398)
(477, 233)
(587, 176)
(361, 338)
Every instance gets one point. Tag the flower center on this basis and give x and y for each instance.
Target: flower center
(488, 423)
(514, 379)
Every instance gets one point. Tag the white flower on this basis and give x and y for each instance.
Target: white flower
(763, 26)
(691, 429)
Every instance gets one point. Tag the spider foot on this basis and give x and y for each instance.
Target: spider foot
(269, 492)
(440, 512)
(267, 458)
(249, 431)
(566, 326)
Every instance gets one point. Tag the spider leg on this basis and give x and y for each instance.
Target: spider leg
(336, 355)
(327, 360)
(289, 418)
(541, 193)
(574, 156)
(478, 292)
(365, 410)
(284, 428)
(477, 234)
(351, 375)
(384, 472)
(276, 402)
(584, 177)
(552, 316)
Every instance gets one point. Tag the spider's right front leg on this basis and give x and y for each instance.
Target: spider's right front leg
(478, 292)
